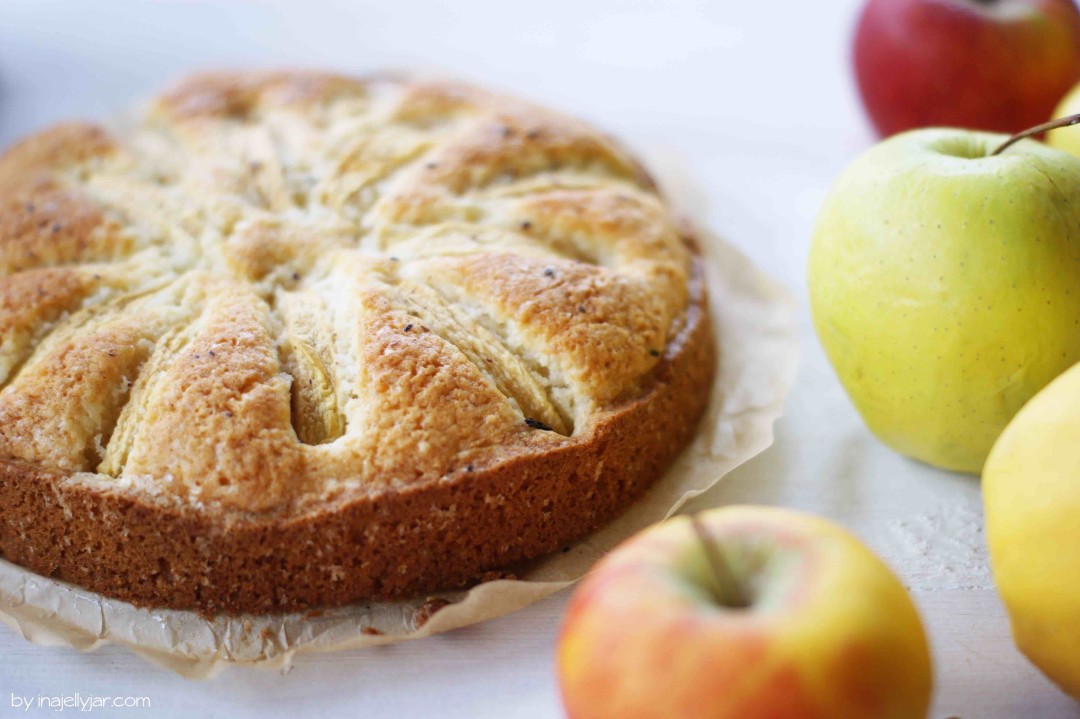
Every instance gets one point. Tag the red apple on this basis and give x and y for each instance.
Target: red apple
(1000, 65)
(744, 612)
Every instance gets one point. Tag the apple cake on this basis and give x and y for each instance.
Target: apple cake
(292, 339)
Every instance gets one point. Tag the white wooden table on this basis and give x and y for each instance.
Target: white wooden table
(758, 98)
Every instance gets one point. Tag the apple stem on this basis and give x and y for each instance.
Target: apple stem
(1045, 127)
(729, 593)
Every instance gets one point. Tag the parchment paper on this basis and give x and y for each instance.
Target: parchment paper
(758, 351)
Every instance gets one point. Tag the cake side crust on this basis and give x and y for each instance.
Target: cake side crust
(390, 544)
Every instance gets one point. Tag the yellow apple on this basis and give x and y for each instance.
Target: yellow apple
(1031, 489)
(803, 621)
(944, 286)
(1066, 139)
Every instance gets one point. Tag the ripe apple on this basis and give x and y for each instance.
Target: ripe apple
(1067, 139)
(943, 285)
(997, 65)
(1031, 490)
(743, 612)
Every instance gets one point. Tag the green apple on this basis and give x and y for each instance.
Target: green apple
(945, 286)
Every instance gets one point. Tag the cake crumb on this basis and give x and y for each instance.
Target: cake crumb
(496, 575)
(427, 610)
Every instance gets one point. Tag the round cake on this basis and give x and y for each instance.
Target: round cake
(292, 339)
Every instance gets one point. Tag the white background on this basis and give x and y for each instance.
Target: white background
(757, 98)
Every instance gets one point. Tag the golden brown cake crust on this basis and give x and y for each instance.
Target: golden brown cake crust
(295, 339)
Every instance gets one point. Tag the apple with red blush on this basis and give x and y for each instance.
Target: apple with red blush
(743, 612)
(999, 65)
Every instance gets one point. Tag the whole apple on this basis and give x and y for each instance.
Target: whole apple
(1031, 490)
(803, 622)
(943, 285)
(997, 65)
